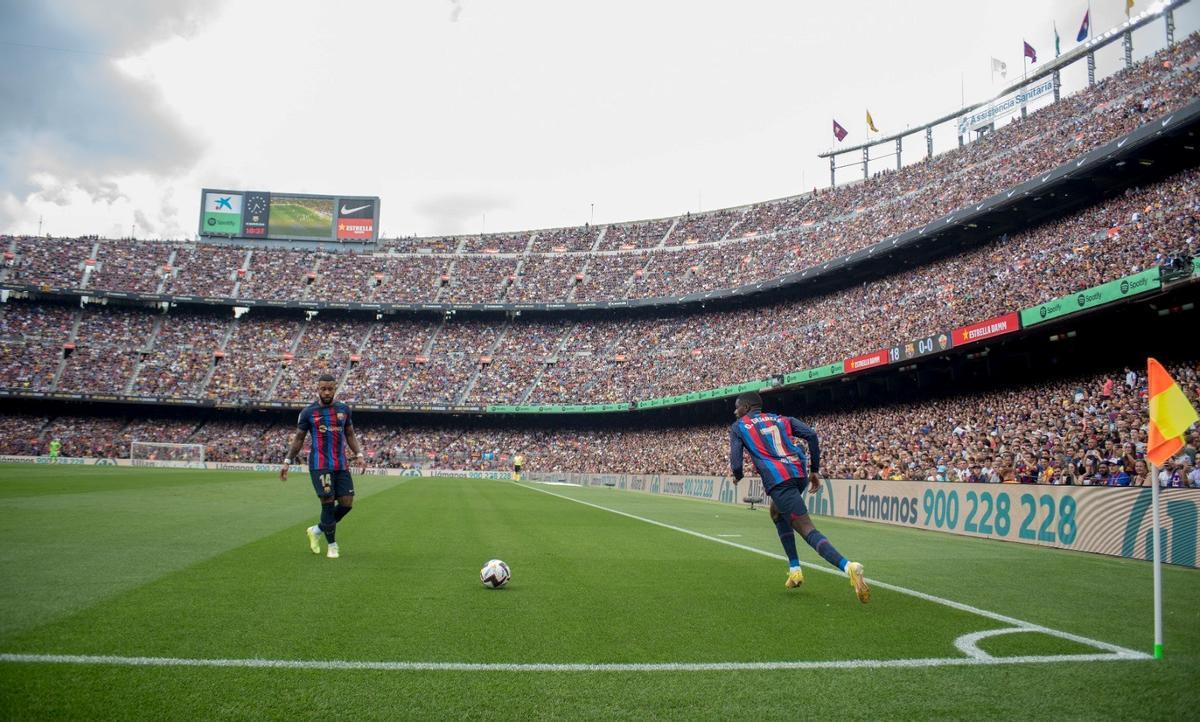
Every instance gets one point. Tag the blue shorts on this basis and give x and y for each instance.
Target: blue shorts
(789, 498)
(329, 484)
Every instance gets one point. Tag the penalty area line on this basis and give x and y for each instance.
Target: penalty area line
(1116, 652)
(334, 664)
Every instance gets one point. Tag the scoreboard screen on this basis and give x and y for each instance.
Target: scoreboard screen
(288, 216)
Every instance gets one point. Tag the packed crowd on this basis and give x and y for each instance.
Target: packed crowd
(602, 360)
(1083, 431)
(673, 256)
(1080, 431)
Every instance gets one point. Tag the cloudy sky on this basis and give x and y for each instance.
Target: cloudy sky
(470, 115)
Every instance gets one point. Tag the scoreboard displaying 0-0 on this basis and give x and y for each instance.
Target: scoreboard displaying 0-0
(288, 216)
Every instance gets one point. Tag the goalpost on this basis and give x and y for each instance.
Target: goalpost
(161, 451)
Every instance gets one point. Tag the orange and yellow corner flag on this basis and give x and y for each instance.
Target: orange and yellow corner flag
(1170, 415)
(871, 122)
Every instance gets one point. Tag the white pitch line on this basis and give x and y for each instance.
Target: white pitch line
(968, 644)
(335, 664)
(1029, 626)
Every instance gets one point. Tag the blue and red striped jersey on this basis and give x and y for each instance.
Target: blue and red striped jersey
(327, 425)
(769, 440)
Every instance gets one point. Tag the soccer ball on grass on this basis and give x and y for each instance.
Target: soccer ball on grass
(494, 574)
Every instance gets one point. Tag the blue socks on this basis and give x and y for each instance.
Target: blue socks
(328, 520)
(787, 537)
(817, 541)
(330, 515)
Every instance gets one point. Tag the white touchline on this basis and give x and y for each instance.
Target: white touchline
(548, 667)
(1020, 623)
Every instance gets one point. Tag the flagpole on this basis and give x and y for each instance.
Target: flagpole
(1156, 543)
(1171, 415)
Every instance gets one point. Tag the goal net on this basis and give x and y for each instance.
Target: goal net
(160, 451)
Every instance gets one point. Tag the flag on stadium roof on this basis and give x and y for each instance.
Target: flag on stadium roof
(871, 122)
(1030, 52)
(1083, 29)
(1057, 42)
(1128, 7)
(999, 66)
(838, 131)
(1170, 415)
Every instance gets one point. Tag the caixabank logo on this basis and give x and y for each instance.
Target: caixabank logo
(1178, 531)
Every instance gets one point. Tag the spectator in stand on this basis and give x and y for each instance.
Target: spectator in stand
(692, 252)
(982, 438)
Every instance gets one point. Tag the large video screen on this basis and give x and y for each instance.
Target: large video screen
(288, 216)
(296, 217)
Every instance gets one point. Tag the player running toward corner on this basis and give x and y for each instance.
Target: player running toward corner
(332, 431)
(781, 464)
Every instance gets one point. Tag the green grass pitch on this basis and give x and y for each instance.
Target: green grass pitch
(192, 594)
(293, 220)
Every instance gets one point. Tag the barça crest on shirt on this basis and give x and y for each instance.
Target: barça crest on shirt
(341, 417)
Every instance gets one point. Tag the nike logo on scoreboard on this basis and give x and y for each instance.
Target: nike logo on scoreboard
(347, 211)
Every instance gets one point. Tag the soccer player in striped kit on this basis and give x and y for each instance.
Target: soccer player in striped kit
(781, 462)
(332, 431)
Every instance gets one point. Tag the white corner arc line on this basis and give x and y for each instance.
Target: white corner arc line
(1122, 652)
(336, 664)
(968, 644)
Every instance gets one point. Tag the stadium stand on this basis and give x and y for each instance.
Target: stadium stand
(1084, 430)
(672, 256)
(604, 360)
(1059, 432)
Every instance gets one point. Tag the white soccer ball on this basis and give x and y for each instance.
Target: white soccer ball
(494, 574)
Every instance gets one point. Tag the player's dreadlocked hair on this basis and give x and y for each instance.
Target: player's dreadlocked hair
(750, 399)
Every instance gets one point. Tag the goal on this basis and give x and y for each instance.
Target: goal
(159, 451)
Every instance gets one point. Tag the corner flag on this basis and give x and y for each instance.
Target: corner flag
(1170, 415)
